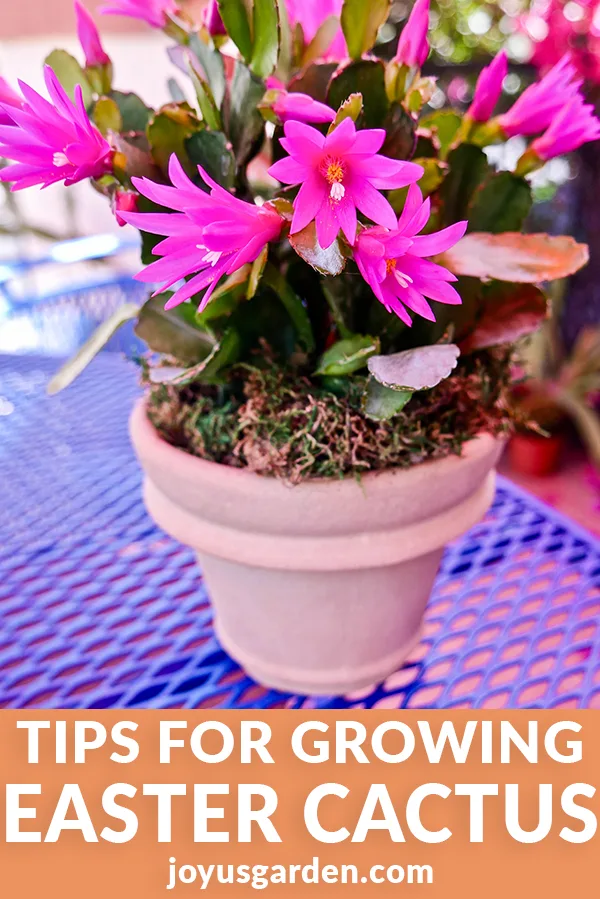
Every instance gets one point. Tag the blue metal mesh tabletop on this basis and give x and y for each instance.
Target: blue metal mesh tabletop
(98, 608)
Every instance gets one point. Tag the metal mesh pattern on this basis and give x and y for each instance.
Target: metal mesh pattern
(58, 325)
(98, 608)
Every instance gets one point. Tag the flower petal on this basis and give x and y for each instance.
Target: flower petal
(172, 268)
(369, 244)
(289, 171)
(392, 174)
(417, 302)
(414, 200)
(387, 174)
(177, 175)
(248, 253)
(346, 214)
(371, 203)
(393, 304)
(341, 138)
(327, 223)
(207, 276)
(397, 244)
(158, 222)
(420, 218)
(370, 275)
(302, 150)
(299, 130)
(308, 202)
(368, 141)
(420, 269)
(441, 291)
(439, 241)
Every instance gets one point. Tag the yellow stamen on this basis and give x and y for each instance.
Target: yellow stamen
(334, 171)
(390, 265)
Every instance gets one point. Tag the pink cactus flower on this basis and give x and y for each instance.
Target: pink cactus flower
(413, 46)
(209, 234)
(153, 12)
(555, 29)
(298, 107)
(211, 19)
(540, 102)
(392, 263)
(488, 88)
(311, 14)
(8, 97)
(573, 126)
(301, 108)
(124, 201)
(339, 174)
(89, 38)
(53, 141)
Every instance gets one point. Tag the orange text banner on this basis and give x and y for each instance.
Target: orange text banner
(121, 805)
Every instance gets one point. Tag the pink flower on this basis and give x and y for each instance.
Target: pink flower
(299, 107)
(488, 88)
(124, 201)
(153, 12)
(573, 126)
(392, 262)
(413, 46)
(89, 38)
(339, 174)
(8, 98)
(211, 19)
(54, 141)
(209, 235)
(540, 102)
(554, 31)
(311, 14)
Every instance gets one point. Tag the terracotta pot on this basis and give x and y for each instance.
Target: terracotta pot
(532, 454)
(319, 588)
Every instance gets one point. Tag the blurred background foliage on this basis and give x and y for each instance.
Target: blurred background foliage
(464, 31)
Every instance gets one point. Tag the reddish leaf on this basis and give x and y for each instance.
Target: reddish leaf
(314, 80)
(328, 262)
(524, 258)
(507, 319)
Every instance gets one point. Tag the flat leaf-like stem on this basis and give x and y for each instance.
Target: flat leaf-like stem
(381, 403)
(306, 244)
(173, 332)
(82, 358)
(519, 310)
(347, 356)
(523, 258)
(361, 21)
(418, 369)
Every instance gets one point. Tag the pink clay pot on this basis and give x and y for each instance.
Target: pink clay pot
(319, 588)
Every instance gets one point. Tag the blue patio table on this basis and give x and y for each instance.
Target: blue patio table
(100, 609)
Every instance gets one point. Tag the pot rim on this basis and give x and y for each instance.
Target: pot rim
(245, 539)
(143, 431)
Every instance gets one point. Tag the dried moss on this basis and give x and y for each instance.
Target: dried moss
(292, 428)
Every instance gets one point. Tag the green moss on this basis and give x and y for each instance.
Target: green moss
(293, 428)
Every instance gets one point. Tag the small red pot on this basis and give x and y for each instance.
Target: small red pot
(532, 454)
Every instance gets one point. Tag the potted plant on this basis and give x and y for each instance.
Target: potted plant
(341, 279)
(560, 388)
